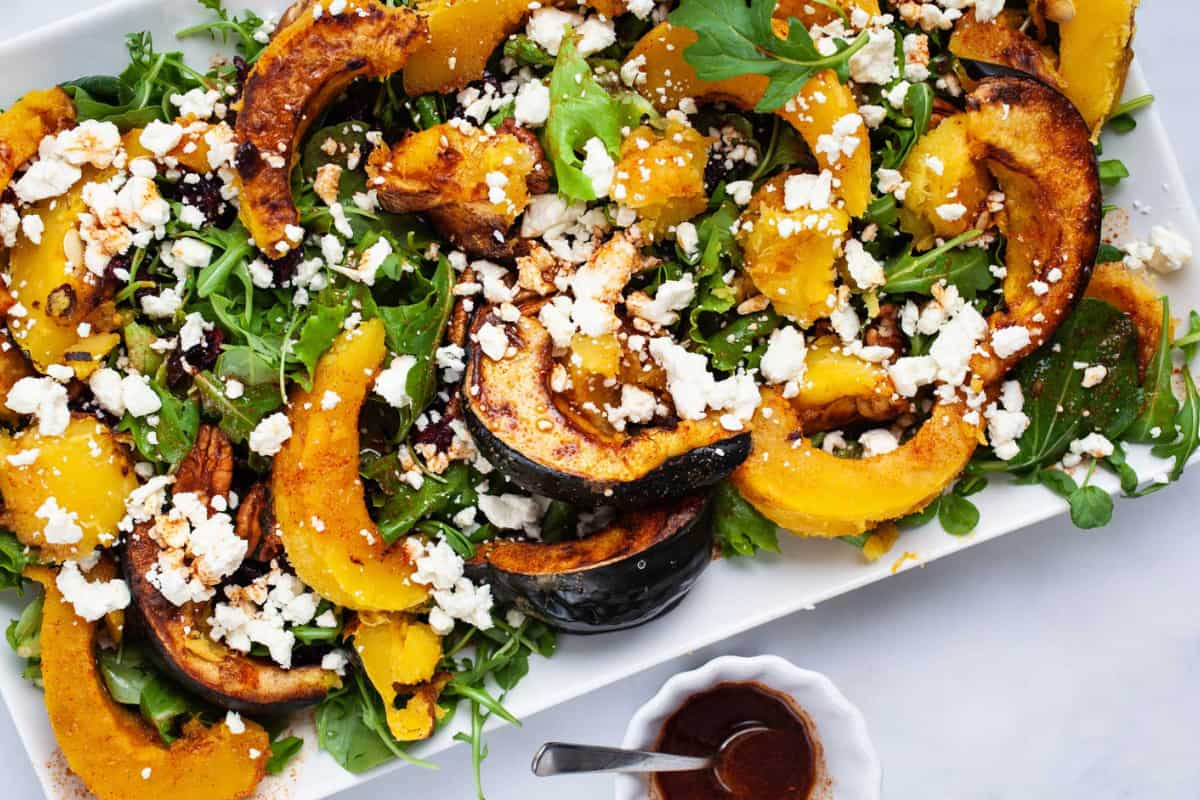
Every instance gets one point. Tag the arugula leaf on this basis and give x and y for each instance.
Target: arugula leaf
(743, 340)
(238, 416)
(1155, 422)
(417, 329)
(1060, 410)
(559, 522)
(437, 495)
(1122, 120)
(13, 558)
(283, 751)
(738, 527)
(225, 24)
(234, 244)
(526, 52)
(1108, 253)
(352, 727)
(785, 149)
(734, 39)
(967, 269)
(1187, 426)
(320, 328)
(904, 127)
(580, 110)
(141, 93)
(1112, 171)
(133, 680)
(173, 437)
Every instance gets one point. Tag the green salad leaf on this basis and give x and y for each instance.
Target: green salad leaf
(13, 558)
(173, 436)
(439, 495)
(352, 727)
(966, 268)
(735, 39)
(739, 528)
(905, 126)
(580, 110)
(133, 680)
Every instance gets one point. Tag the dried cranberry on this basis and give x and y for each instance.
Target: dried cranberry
(439, 434)
(248, 160)
(284, 267)
(181, 365)
(204, 193)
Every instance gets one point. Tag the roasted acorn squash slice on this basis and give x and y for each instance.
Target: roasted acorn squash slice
(630, 572)
(86, 471)
(841, 389)
(670, 78)
(306, 65)
(56, 292)
(941, 171)
(38, 114)
(117, 755)
(811, 13)
(1127, 291)
(512, 414)
(330, 539)
(179, 634)
(1037, 147)
(444, 172)
(401, 656)
(810, 492)
(13, 367)
(1094, 54)
(1002, 42)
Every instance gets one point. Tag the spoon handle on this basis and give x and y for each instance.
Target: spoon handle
(558, 758)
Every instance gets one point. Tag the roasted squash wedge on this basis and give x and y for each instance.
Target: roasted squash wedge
(56, 292)
(661, 176)
(38, 114)
(1093, 57)
(1037, 147)
(820, 104)
(180, 634)
(307, 64)
(330, 539)
(87, 473)
(811, 13)
(840, 389)
(451, 175)
(191, 152)
(512, 414)
(1127, 291)
(791, 256)
(810, 492)
(115, 753)
(943, 175)
(401, 656)
(1002, 42)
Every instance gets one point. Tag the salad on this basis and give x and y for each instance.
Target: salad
(342, 374)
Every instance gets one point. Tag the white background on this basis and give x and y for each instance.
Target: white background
(1046, 664)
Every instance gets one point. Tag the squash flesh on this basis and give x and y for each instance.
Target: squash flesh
(401, 655)
(463, 34)
(942, 172)
(1037, 148)
(1094, 55)
(1002, 42)
(38, 114)
(670, 78)
(306, 65)
(1127, 291)
(811, 13)
(840, 389)
(810, 492)
(86, 470)
(13, 367)
(651, 179)
(57, 296)
(117, 755)
(316, 477)
(796, 271)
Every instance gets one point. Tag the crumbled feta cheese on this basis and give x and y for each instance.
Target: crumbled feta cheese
(1094, 375)
(808, 191)
(740, 191)
(61, 525)
(392, 383)
(847, 134)
(493, 341)
(233, 721)
(45, 179)
(637, 405)
(988, 10)
(511, 512)
(951, 212)
(1007, 421)
(595, 35)
(598, 165)
(878, 442)
(785, 359)
(671, 297)
(532, 105)
(863, 268)
(910, 373)
(547, 26)
(876, 61)
(45, 399)
(268, 436)
(196, 103)
(1171, 251)
(160, 137)
(1010, 340)
(91, 600)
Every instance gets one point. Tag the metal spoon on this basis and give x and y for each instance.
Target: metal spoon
(558, 758)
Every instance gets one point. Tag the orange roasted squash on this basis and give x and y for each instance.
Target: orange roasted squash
(1094, 54)
(330, 538)
(1127, 291)
(791, 255)
(819, 105)
(445, 172)
(115, 753)
(1037, 147)
(811, 13)
(810, 492)
(942, 175)
(401, 656)
(661, 176)
(841, 389)
(13, 367)
(86, 471)
(40, 113)
(306, 65)
(1002, 42)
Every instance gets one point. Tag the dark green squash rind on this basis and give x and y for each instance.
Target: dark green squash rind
(618, 594)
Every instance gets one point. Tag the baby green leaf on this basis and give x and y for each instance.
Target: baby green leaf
(739, 528)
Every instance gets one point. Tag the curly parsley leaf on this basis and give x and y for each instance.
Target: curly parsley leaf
(735, 39)
(739, 529)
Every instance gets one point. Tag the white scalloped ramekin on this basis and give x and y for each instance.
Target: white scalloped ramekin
(851, 766)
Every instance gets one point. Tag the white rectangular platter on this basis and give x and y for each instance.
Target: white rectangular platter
(732, 596)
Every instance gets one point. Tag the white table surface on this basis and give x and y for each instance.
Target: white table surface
(1050, 663)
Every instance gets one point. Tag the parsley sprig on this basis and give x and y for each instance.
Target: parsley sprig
(736, 39)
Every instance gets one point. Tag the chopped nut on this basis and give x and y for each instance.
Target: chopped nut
(753, 305)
